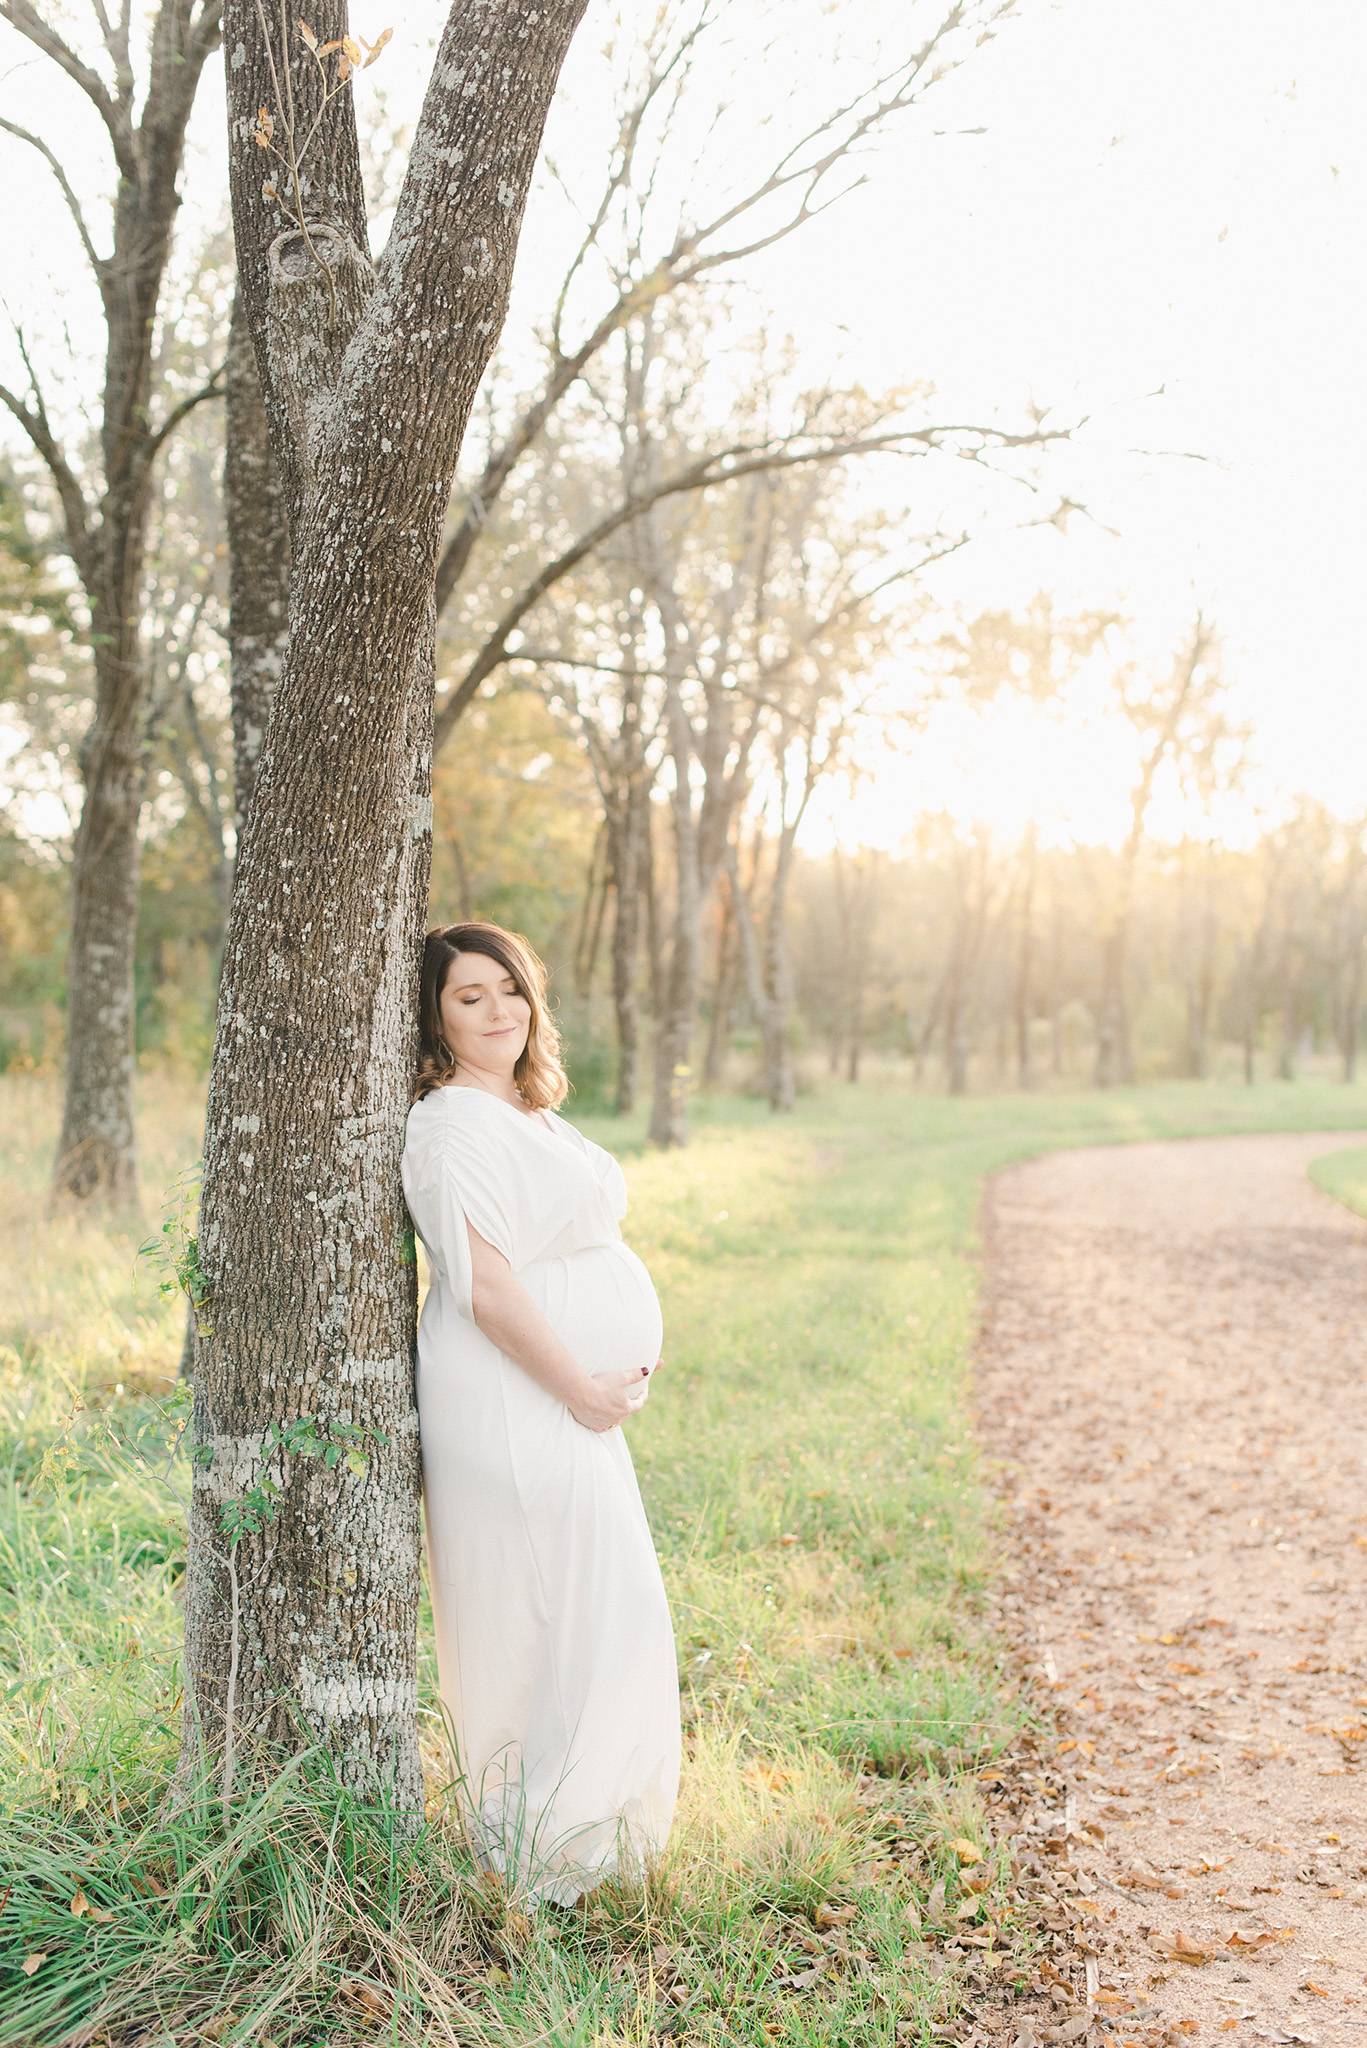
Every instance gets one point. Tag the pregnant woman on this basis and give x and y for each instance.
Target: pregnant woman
(538, 1336)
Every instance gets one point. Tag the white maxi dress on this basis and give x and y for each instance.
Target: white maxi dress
(555, 1647)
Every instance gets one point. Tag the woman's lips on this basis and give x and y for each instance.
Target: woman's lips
(506, 1033)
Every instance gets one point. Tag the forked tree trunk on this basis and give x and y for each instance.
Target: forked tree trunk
(307, 1627)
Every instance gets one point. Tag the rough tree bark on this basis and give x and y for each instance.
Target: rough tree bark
(258, 559)
(306, 1629)
(106, 535)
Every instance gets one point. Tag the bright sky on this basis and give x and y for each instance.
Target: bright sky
(1168, 195)
(1165, 195)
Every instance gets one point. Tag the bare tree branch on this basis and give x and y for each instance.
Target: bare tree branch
(116, 41)
(213, 388)
(722, 465)
(207, 32)
(98, 263)
(34, 420)
(619, 177)
(22, 15)
(835, 137)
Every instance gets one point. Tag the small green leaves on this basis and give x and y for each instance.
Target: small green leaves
(307, 1436)
(176, 1248)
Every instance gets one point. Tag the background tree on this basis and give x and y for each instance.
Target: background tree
(1174, 719)
(105, 511)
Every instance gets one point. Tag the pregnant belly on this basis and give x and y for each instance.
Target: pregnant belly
(602, 1304)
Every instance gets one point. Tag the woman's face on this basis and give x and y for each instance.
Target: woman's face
(485, 1018)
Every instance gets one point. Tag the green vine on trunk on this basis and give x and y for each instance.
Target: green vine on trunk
(307, 1436)
(176, 1247)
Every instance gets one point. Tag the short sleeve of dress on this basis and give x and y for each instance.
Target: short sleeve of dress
(461, 1178)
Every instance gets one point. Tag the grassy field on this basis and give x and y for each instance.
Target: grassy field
(827, 1537)
(1343, 1175)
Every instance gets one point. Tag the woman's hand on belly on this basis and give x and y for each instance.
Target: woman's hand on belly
(607, 1399)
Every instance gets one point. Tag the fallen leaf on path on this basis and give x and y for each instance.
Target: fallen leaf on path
(1250, 1944)
(1181, 1948)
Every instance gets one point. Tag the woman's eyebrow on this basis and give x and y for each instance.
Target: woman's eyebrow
(463, 985)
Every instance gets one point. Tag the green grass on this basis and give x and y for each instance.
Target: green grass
(1343, 1175)
(826, 1533)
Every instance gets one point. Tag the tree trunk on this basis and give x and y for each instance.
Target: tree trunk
(258, 594)
(598, 884)
(630, 833)
(304, 1627)
(258, 559)
(854, 1036)
(1352, 1007)
(780, 1077)
(655, 976)
(723, 996)
(1056, 984)
(956, 1039)
(1025, 964)
(1286, 1050)
(96, 1158)
(679, 1006)
(1113, 1035)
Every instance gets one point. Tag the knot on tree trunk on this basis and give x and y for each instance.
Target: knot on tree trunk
(319, 282)
(318, 252)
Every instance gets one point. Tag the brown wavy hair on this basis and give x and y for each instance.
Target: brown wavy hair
(540, 1077)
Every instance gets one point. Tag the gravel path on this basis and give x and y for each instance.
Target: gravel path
(1173, 1374)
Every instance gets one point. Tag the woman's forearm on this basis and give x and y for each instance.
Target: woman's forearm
(509, 1318)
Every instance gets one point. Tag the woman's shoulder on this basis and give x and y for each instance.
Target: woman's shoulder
(451, 1097)
(442, 1110)
(457, 1107)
